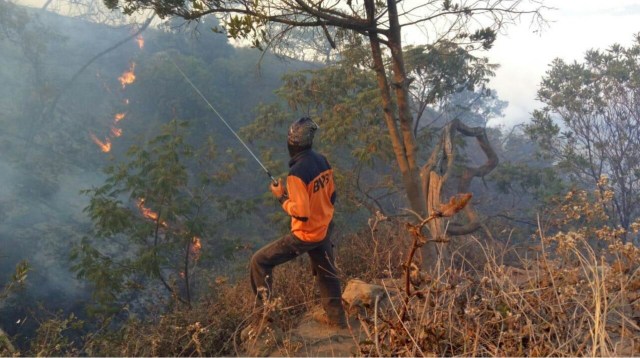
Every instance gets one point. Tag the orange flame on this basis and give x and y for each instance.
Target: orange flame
(119, 116)
(128, 77)
(116, 132)
(146, 212)
(140, 41)
(194, 248)
(104, 146)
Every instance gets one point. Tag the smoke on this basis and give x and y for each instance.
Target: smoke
(40, 224)
(46, 160)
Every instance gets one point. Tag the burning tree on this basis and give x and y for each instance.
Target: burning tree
(152, 218)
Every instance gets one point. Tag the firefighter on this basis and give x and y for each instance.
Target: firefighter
(308, 198)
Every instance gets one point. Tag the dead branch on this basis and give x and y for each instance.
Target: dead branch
(438, 169)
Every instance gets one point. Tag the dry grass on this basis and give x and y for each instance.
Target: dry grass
(294, 284)
(205, 330)
(213, 326)
(375, 252)
(548, 308)
(576, 294)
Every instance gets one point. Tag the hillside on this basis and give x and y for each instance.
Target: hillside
(47, 161)
(133, 222)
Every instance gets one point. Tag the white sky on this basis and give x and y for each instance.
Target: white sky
(577, 26)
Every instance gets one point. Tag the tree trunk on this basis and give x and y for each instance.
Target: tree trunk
(401, 89)
(433, 253)
(405, 158)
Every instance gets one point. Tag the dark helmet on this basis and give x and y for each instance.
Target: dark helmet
(301, 132)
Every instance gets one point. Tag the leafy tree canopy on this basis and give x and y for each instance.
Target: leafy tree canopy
(590, 124)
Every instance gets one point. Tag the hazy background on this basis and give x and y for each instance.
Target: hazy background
(44, 165)
(524, 52)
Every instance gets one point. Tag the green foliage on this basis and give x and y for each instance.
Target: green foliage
(53, 336)
(16, 281)
(449, 80)
(150, 217)
(344, 100)
(42, 199)
(590, 125)
(276, 23)
(446, 68)
(486, 37)
(520, 178)
(265, 22)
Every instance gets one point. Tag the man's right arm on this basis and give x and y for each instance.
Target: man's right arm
(297, 205)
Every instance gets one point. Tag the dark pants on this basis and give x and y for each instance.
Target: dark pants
(322, 261)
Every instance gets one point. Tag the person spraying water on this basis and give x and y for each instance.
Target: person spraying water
(308, 199)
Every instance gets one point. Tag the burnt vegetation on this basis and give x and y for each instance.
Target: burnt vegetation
(128, 212)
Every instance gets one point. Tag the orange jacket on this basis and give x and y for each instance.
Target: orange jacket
(311, 195)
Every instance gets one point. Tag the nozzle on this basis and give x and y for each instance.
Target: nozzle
(273, 180)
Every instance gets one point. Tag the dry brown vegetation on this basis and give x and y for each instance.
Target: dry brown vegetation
(574, 292)
(203, 331)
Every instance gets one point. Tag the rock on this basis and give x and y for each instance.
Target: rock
(360, 293)
(313, 339)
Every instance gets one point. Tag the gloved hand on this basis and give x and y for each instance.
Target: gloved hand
(277, 190)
